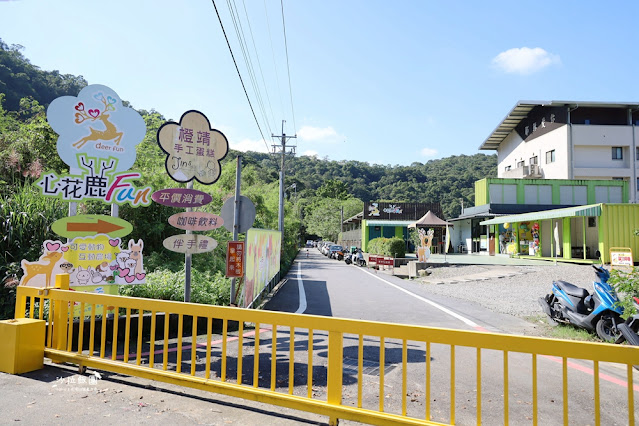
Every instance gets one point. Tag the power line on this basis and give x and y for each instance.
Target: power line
(239, 31)
(259, 63)
(239, 75)
(288, 69)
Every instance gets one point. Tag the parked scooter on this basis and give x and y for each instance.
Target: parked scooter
(597, 312)
(358, 258)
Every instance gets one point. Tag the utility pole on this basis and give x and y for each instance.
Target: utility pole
(282, 147)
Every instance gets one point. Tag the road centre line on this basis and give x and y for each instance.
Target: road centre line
(300, 288)
(433, 304)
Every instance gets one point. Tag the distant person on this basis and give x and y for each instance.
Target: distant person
(502, 243)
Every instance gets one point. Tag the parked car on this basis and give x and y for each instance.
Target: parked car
(334, 249)
(326, 248)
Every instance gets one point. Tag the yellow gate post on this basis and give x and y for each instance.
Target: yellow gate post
(335, 371)
(60, 312)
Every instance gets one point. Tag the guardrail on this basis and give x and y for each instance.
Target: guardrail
(371, 372)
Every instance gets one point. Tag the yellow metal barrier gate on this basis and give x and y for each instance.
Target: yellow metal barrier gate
(371, 372)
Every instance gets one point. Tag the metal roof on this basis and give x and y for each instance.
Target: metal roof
(521, 110)
(589, 210)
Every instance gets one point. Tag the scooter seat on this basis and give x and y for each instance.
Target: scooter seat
(572, 289)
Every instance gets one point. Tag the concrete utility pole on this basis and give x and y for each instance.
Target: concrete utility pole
(282, 147)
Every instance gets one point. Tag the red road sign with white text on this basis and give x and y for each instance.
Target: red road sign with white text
(235, 259)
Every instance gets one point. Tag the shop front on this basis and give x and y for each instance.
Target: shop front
(582, 234)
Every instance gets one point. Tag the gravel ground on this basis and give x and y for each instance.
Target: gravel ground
(512, 290)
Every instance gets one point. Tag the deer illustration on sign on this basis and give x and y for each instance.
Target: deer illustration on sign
(42, 267)
(110, 132)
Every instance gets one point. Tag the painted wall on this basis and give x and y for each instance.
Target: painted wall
(263, 249)
(616, 229)
(562, 191)
(513, 150)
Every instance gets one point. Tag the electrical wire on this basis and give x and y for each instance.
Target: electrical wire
(239, 32)
(239, 75)
(288, 69)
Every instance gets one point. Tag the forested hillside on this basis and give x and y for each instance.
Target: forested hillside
(447, 180)
(20, 79)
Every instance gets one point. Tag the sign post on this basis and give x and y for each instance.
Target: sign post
(193, 151)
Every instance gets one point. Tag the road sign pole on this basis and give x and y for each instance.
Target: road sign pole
(187, 259)
(236, 214)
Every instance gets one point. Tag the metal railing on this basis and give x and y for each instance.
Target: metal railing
(371, 372)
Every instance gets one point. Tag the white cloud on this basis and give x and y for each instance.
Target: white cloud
(249, 145)
(524, 60)
(428, 152)
(310, 153)
(317, 134)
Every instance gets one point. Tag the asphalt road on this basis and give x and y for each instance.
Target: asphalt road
(332, 288)
(320, 286)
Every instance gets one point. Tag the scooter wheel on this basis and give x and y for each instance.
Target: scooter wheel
(606, 329)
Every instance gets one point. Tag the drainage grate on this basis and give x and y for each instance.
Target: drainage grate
(370, 368)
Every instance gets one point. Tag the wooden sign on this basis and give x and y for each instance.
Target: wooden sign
(190, 243)
(193, 148)
(87, 225)
(181, 197)
(196, 221)
(235, 259)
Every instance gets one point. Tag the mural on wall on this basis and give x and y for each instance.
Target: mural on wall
(89, 261)
(262, 261)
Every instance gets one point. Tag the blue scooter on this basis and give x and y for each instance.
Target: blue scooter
(597, 312)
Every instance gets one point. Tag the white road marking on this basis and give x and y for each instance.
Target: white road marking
(300, 287)
(430, 302)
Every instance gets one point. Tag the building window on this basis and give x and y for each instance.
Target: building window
(592, 222)
(637, 154)
(507, 168)
(638, 184)
(533, 160)
(617, 178)
(550, 156)
(617, 153)
(520, 164)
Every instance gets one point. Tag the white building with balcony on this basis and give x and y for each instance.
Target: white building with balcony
(569, 140)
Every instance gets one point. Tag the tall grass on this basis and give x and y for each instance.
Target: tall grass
(25, 223)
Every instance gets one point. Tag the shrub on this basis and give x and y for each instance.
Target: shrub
(626, 284)
(395, 247)
(206, 287)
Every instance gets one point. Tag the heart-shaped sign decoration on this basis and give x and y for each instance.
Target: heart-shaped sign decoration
(129, 279)
(115, 242)
(113, 267)
(123, 271)
(53, 246)
(79, 118)
(99, 96)
(65, 248)
(79, 107)
(140, 277)
(110, 100)
(94, 113)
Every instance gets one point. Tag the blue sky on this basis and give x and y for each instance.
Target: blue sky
(386, 82)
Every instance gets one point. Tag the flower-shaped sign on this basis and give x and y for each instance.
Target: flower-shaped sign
(97, 125)
(193, 148)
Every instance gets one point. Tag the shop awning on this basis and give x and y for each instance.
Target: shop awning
(589, 210)
(389, 222)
